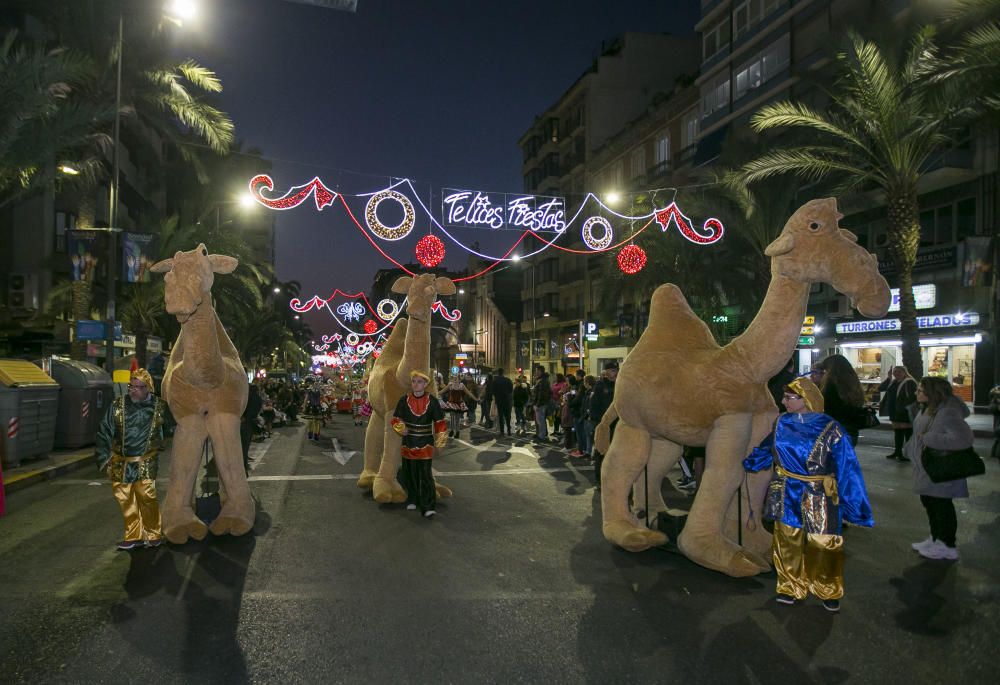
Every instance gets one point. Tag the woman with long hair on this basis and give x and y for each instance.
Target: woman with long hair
(940, 425)
(842, 394)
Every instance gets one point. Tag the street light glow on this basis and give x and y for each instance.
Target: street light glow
(613, 197)
(182, 10)
(246, 201)
(461, 291)
(68, 170)
(516, 258)
(277, 289)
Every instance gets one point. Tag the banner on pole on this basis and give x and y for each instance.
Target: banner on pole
(137, 256)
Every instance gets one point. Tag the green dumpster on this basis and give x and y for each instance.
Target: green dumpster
(28, 406)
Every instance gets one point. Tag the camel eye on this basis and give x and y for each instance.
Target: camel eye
(813, 226)
(204, 251)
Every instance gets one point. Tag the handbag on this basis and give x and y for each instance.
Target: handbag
(945, 465)
(869, 417)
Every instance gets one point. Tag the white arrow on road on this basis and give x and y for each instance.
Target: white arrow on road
(341, 457)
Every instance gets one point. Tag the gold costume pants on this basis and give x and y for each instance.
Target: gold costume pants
(139, 509)
(808, 563)
(315, 426)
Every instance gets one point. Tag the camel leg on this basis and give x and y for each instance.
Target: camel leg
(238, 509)
(374, 445)
(703, 540)
(177, 514)
(385, 487)
(663, 454)
(756, 539)
(628, 453)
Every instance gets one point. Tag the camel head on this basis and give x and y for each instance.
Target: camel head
(189, 278)
(421, 293)
(813, 248)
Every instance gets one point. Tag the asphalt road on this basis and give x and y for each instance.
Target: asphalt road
(511, 583)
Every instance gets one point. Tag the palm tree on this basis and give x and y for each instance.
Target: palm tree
(142, 312)
(886, 121)
(43, 119)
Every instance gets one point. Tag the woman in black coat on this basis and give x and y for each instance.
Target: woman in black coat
(843, 398)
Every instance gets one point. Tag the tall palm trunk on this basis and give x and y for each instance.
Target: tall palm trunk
(904, 239)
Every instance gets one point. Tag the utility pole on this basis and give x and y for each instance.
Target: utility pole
(113, 204)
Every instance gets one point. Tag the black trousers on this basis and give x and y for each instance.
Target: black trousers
(900, 436)
(417, 479)
(941, 516)
(246, 436)
(503, 416)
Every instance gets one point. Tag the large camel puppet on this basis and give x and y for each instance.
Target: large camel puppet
(206, 389)
(408, 348)
(678, 387)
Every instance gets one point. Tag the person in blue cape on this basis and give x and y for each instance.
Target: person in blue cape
(817, 483)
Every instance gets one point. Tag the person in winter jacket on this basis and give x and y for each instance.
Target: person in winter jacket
(842, 394)
(521, 393)
(900, 395)
(541, 394)
(940, 425)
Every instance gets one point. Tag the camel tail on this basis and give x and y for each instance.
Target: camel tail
(602, 434)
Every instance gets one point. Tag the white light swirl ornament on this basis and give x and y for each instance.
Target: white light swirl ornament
(390, 232)
(351, 311)
(387, 310)
(588, 237)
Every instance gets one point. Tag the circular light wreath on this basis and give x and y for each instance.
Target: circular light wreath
(588, 237)
(393, 310)
(353, 339)
(390, 232)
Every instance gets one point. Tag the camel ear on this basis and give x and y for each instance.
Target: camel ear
(221, 264)
(402, 285)
(162, 266)
(444, 286)
(847, 234)
(783, 244)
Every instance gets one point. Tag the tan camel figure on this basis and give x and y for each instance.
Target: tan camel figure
(206, 389)
(678, 387)
(408, 348)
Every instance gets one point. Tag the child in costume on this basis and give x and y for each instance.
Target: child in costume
(420, 420)
(358, 396)
(128, 441)
(313, 411)
(817, 482)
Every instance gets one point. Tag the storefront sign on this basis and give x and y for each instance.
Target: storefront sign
(475, 209)
(925, 297)
(591, 331)
(927, 258)
(888, 325)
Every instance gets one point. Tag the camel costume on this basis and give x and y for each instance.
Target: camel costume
(408, 349)
(206, 390)
(678, 387)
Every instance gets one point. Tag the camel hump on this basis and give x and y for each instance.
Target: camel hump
(674, 323)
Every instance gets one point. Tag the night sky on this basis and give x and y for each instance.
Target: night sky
(436, 91)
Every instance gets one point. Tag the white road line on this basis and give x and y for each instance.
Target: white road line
(443, 474)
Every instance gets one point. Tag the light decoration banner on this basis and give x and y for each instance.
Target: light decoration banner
(387, 312)
(533, 216)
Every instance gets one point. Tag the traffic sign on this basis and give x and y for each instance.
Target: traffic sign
(454, 371)
(807, 340)
(806, 330)
(809, 320)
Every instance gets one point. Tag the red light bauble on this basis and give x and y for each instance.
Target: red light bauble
(370, 326)
(430, 250)
(631, 259)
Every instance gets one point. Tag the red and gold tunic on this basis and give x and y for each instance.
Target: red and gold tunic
(424, 422)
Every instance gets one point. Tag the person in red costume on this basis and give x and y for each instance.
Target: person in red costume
(418, 417)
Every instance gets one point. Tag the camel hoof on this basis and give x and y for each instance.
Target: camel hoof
(386, 491)
(632, 538)
(181, 532)
(366, 479)
(443, 491)
(231, 525)
(725, 558)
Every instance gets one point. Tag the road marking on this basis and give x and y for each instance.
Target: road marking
(341, 457)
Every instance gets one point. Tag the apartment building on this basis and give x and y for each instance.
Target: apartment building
(759, 51)
(633, 73)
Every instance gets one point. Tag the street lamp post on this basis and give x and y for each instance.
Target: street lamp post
(113, 203)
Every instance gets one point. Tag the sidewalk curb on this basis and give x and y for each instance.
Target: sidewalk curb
(976, 432)
(20, 481)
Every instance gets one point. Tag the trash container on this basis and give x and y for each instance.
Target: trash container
(28, 406)
(85, 393)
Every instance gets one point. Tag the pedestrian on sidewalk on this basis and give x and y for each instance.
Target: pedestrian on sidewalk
(418, 417)
(541, 396)
(519, 397)
(453, 402)
(248, 421)
(940, 425)
(899, 404)
(503, 397)
(817, 481)
(128, 442)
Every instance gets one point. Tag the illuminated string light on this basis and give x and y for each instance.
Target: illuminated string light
(370, 326)
(387, 310)
(294, 197)
(353, 339)
(430, 251)
(351, 311)
(673, 213)
(390, 232)
(588, 236)
(631, 259)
